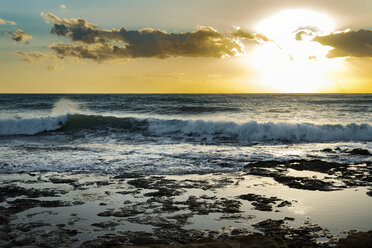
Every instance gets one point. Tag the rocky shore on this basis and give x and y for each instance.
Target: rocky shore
(263, 206)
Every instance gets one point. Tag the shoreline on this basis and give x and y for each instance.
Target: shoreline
(268, 199)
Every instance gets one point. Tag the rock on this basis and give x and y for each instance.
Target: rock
(226, 165)
(369, 193)
(168, 192)
(251, 241)
(14, 191)
(4, 219)
(127, 175)
(102, 183)
(305, 183)
(360, 151)
(356, 240)
(106, 225)
(263, 203)
(62, 180)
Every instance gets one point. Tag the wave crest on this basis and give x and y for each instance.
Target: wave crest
(31, 126)
(198, 130)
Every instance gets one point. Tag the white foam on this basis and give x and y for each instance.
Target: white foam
(65, 106)
(256, 132)
(30, 126)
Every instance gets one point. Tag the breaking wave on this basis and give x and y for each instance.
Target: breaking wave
(218, 131)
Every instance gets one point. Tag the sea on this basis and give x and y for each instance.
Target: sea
(178, 133)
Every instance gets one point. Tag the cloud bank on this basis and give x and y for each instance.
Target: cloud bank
(348, 44)
(99, 45)
(20, 36)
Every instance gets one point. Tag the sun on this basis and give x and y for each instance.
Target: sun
(291, 61)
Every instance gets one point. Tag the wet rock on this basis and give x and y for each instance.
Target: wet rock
(218, 206)
(305, 183)
(102, 183)
(182, 219)
(315, 165)
(62, 180)
(369, 192)
(360, 151)
(226, 165)
(237, 216)
(298, 164)
(14, 191)
(127, 175)
(106, 225)
(251, 241)
(141, 183)
(271, 227)
(158, 221)
(263, 203)
(303, 236)
(168, 206)
(228, 206)
(57, 203)
(4, 219)
(128, 192)
(168, 192)
(26, 227)
(126, 211)
(284, 204)
(356, 240)
(20, 205)
(327, 150)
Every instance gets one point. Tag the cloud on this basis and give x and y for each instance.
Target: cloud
(54, 62)
(2, 21)
(246, 35)
(35, 56)
(120, 45)
(20, 36)
(348, 44)
(55, 67)
(91, 42)
(63, 6)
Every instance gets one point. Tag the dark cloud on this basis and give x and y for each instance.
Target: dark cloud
(2, 21)
(306, 31)
(348, 44)
(312, 29)
(300, 34)
(20, 36)
(121, 44)
(246, 35)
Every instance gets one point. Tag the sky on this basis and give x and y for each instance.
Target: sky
(193, 46)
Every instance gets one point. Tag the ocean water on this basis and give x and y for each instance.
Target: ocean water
(178, 134)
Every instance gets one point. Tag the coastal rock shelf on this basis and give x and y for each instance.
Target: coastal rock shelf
(269, 204)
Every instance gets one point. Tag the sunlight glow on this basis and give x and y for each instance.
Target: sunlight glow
(296, 63)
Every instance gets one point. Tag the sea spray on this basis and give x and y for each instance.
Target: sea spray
(29, 126)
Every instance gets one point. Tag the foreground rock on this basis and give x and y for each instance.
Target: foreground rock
(337, 175)
(252, 241)
(356, 240)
